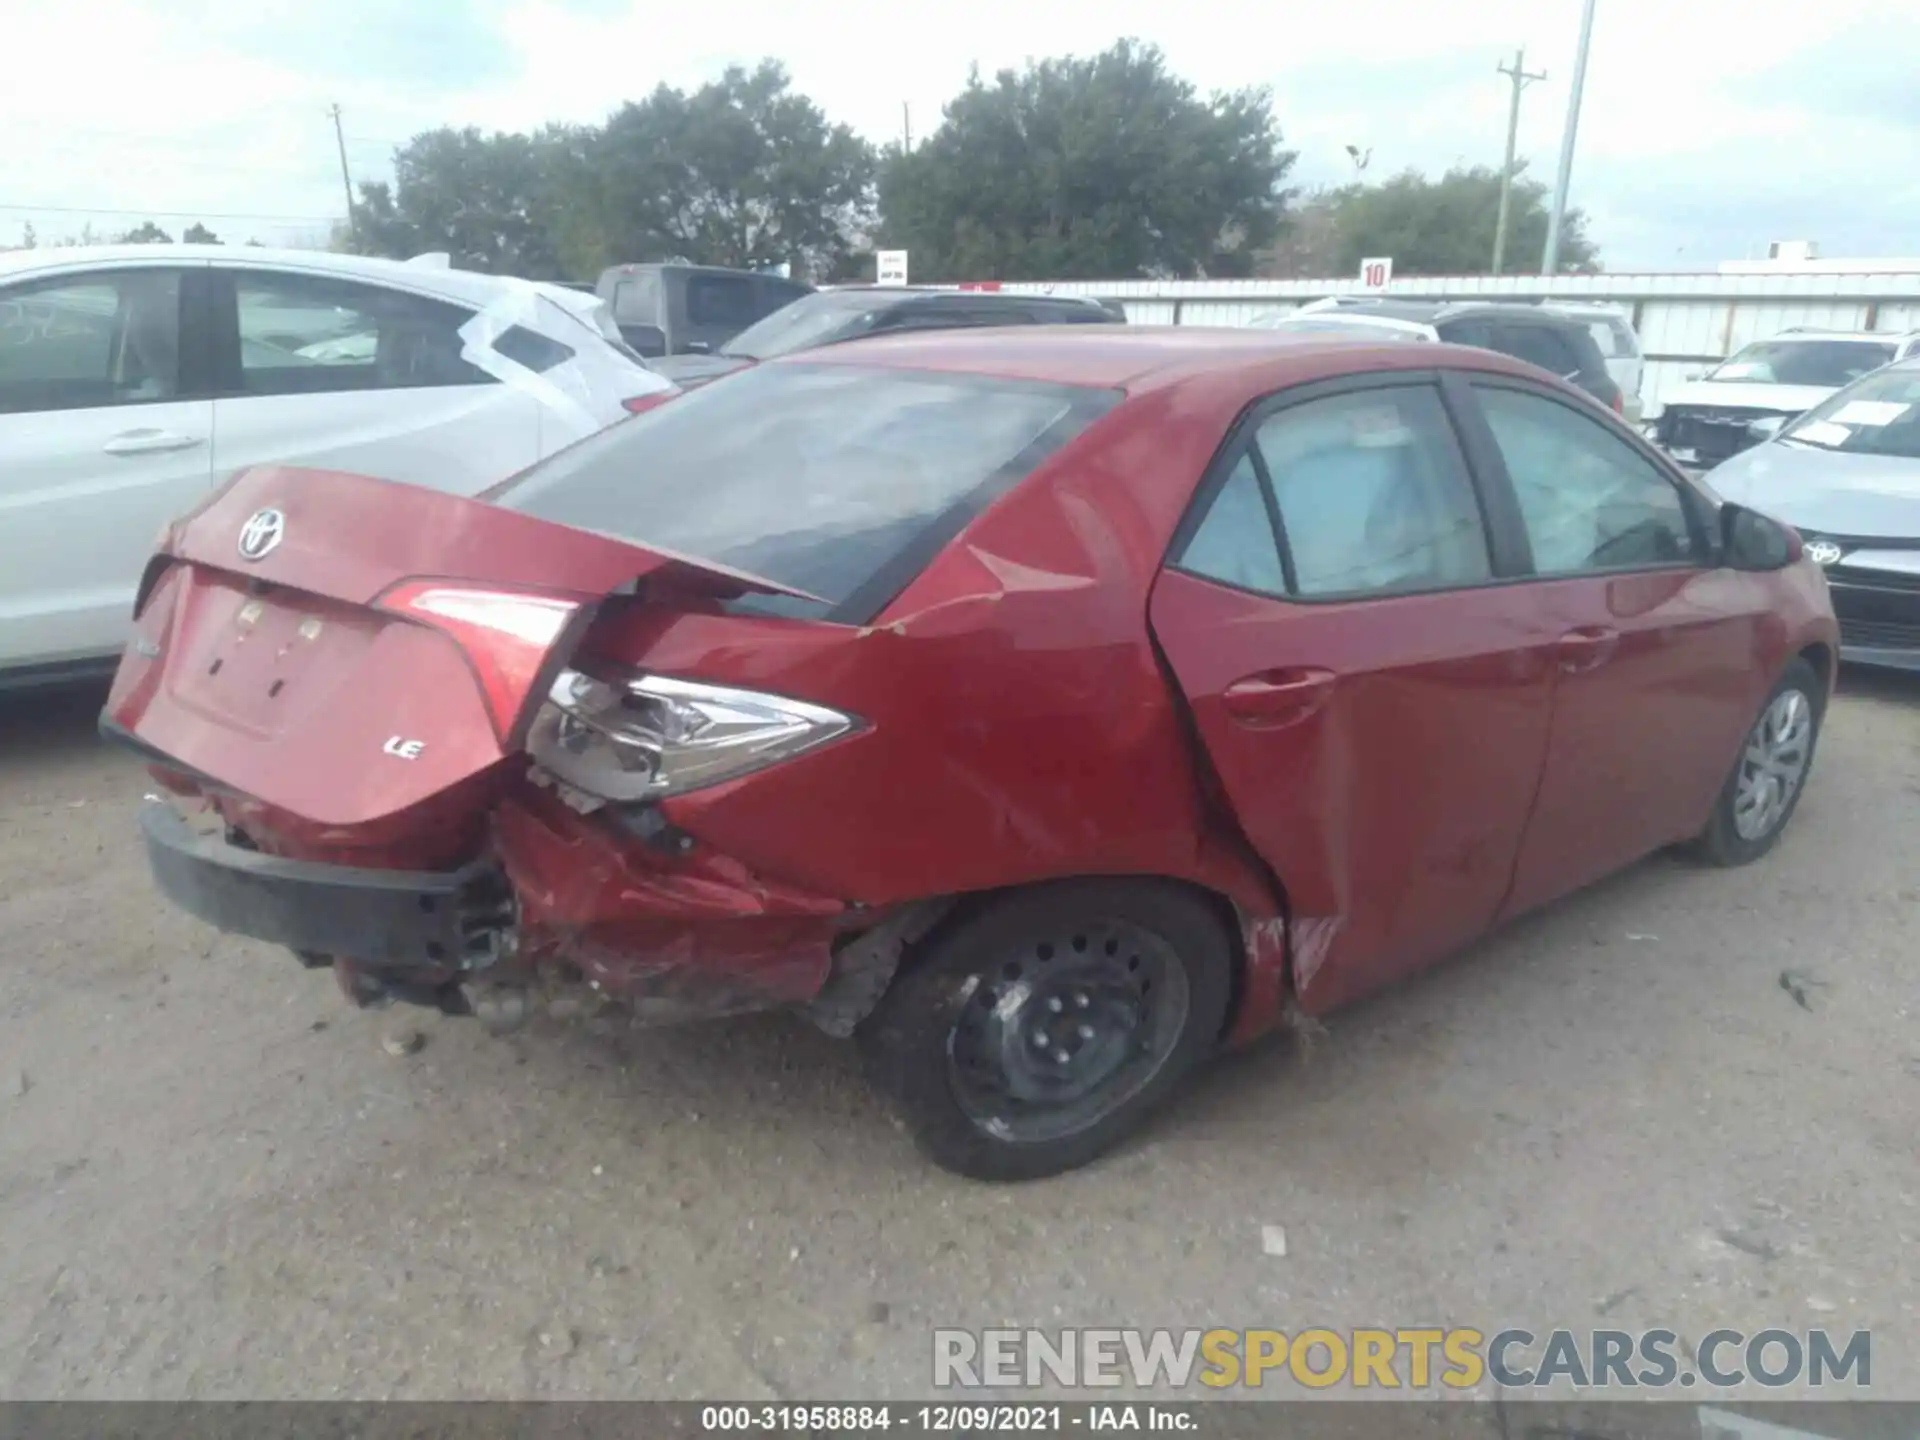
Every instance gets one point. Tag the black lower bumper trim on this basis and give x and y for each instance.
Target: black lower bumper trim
(381, 918)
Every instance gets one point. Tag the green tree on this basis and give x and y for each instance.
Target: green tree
(1108, 166)
(198, 234)
(1445, 226)
(740, 172)
(485, 199)
(146, 233)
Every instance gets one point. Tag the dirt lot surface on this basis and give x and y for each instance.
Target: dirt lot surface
(216, 1180)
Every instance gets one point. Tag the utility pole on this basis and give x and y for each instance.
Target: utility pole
(1550, 261)
(906, 125)
(346, 180)
(1520, 76)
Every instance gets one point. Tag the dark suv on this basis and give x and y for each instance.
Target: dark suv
(828, 317)
(675, 309)
(1558, 343)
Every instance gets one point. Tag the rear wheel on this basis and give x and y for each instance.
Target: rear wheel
(1041, 1030)
(1770, 774)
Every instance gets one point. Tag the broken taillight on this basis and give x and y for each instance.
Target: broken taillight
(639, 737)
(507, 636)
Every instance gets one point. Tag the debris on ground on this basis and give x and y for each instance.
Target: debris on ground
(1617, 1298)
(1746, 1244)
(1640, 939)
(403, 1042)
(1823, 1307)
(1273, 1239)
(879, 1312)
(1799, 985)
(22, 1083)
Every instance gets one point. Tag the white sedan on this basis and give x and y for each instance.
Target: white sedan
(134, 379)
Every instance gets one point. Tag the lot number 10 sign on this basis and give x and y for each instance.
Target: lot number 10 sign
(1376, 272)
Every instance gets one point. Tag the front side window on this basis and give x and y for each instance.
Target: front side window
(309, 334)
(87, 342)
(1373, 495)
(818, 477)
(1588, 500)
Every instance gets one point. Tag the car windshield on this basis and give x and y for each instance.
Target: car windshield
(831, 479)
(1803, 362)
(1878, 416)
(816, 320)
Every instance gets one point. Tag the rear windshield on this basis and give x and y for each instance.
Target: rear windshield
(838, 480)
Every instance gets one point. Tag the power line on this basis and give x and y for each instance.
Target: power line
(145, 213)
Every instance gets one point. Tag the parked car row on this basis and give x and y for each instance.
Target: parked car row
(134, 380)
(1591, 346)
(1748, 396)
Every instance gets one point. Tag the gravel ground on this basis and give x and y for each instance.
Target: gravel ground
(216, 1180)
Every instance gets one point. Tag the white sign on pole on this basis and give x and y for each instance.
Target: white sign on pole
(1375, 272)
(892, 267)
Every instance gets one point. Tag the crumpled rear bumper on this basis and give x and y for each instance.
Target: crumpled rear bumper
(388, 919)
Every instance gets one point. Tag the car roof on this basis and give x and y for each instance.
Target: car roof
(1139, 358)
(428, 275)
(1807, 332)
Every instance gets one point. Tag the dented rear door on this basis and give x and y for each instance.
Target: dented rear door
(1380, 750)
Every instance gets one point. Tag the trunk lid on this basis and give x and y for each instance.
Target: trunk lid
(347, 662)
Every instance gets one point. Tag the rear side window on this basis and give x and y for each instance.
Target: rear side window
(532, 349)
(1543, 345)
(722, 300)
(311, 334)
(836, 480)
(1372, 494)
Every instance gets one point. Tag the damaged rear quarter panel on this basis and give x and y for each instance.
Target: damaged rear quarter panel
(1018, 726)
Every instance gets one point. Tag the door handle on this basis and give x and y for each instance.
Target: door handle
(1587, 648)
(150, 442)
(1274, 698)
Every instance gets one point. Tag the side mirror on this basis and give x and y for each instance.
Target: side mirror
(1751, 541)
(1768, 426)
(649, 341)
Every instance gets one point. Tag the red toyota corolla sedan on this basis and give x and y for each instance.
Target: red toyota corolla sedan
(1044, 709)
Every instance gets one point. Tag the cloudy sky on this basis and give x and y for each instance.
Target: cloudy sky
(1709, 127)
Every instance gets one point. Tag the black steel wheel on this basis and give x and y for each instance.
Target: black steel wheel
(1042, 1029)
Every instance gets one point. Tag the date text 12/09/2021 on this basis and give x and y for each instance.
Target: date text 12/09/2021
(947, 1419)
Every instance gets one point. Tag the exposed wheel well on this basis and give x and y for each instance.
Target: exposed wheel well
(1820, 656)
(965, 907)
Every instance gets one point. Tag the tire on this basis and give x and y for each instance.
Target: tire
(1732, 838)
(956, 1043)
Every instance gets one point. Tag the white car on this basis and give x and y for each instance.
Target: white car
(1709, 419)
(135, 379)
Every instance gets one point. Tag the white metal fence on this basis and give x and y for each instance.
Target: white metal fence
(1685, 322)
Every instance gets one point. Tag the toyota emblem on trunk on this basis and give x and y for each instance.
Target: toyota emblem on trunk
(261, 534)
(1823, 552)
